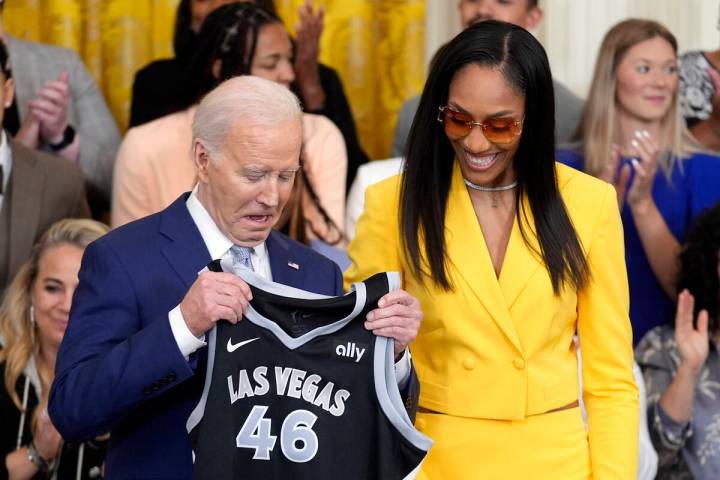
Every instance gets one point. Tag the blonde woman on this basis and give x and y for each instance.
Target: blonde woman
(33, 317)
(631, 134)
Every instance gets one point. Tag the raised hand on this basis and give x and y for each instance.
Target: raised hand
(307, 50)
(692, 341)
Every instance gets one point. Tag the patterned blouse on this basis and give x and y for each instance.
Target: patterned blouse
(686, 450)
(696, 86)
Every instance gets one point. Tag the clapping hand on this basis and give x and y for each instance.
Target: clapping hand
(617, 179)
(692, 341)
(50, 108)
(647, 151)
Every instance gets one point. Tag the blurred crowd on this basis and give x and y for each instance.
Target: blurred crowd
(649, 126)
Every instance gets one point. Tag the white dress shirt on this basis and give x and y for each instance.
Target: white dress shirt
(218, 244)
(6, 163)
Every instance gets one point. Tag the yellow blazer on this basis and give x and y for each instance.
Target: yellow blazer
(502, 348)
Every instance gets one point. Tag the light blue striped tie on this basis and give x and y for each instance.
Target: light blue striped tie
(241, 256)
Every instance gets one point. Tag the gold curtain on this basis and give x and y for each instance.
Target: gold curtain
(377, 47)
(115, 38)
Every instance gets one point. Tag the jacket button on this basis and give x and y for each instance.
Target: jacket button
(468, 363)
(519, 363)
(420, 424)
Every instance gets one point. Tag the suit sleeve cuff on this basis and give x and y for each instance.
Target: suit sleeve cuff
(402, 369)
(186, 341)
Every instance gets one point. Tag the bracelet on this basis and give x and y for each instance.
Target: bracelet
(34, 457)
(68, 138)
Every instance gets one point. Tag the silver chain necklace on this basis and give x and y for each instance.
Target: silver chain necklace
(494, 200)
(502, 188)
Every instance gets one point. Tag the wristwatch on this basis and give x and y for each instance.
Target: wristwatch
(68, 138)
(34, 457)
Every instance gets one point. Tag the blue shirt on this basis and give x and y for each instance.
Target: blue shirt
(694, 186)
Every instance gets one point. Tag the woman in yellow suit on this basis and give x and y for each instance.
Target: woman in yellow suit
(510, 255)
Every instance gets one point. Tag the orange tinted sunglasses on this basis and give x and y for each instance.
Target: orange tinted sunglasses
(496, 130)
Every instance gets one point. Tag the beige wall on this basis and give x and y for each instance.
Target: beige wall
(573, 29)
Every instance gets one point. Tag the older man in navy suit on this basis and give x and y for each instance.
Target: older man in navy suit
(133, 359)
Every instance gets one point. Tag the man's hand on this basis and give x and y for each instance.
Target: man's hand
(29, 133)
(50, 107)
(398, 316)
(214, 296)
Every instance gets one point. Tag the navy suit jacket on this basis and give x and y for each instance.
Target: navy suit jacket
(119, 368)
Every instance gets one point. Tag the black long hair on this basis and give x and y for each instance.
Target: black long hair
(429, 156)
(699, 264)
(184, 38)
(229, 34)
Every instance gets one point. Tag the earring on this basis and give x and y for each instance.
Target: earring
(32, 315)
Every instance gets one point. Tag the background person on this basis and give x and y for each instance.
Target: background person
(633, 136)
(36, 189)
(154, 165)
(516, 255)
(58, 108)
(33, 317)
(527, 14)
(156, 92)
(682, 366)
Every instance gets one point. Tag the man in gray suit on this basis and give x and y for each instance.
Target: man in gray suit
(527, 14)
(58, 108)
(36, 190)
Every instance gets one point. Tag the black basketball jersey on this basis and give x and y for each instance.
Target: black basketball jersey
(299, 389)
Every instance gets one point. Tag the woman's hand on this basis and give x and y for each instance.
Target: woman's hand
(47, 440)
(692, 342)
(619, 180)
(647, 149)
(307, 50)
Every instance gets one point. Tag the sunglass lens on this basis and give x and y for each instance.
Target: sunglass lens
(500, 130)
(456, 125)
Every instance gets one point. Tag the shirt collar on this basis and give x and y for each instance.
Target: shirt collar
(216, 241)
(5, 159)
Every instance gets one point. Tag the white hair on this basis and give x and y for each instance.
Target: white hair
(245, 100)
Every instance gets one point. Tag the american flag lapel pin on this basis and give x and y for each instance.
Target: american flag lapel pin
(294, 265)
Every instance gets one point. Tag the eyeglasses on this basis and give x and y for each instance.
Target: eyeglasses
(496, 130)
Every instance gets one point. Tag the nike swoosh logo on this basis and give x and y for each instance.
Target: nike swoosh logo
(231, 348)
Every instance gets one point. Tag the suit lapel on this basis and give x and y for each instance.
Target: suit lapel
(185, 251)
(470, 257)
(521, 262)
(26, 197)
(285, 267)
